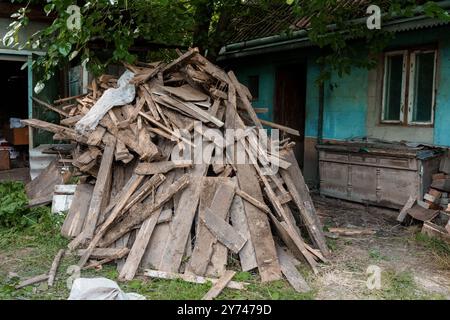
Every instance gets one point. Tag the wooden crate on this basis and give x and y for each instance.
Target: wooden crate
(5, 163)
(18, 136)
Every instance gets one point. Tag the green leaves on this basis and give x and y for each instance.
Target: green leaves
(48, 8)
(65, 48)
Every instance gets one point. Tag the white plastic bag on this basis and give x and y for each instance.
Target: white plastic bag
(112, 97)
(99, 289)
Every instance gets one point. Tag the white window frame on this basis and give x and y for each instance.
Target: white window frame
(385, 83)
(411, 92)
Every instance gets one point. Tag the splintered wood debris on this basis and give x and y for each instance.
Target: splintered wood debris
(138, 204)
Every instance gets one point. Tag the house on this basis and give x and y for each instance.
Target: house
(17, 81)
(405, 98)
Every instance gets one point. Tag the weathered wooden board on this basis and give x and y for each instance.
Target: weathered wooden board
(192, 278)
(291, 273)
(184, 215)
(98, 193)
(74, 221)
(260, 234)
(218, 196)
(219, 285)
(54, 267)
(125, 194)
(300, 194)
(148, 168)
(223, 231)
(158, 241)
(408, 205)
(186, 93)
(44, 184)
(144, 234)
(238, 217)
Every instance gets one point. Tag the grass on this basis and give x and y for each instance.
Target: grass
(30, 253)
(439, 249)
(401, 286)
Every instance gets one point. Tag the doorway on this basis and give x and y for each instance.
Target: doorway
(14, 137)
(290, 101)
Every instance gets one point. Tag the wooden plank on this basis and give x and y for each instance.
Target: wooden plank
(141, 212)
(248, 106)
(160, 235)
(49, 106)
(189, 108)
(74, 221)
(186, 93)
(30, 281)
(300, 194)
(44, 184)
(280, 127)
(178, 62)
(434, 231)
(185, 212)
(408, 205)
(191, 278)
(291, 273)
(120, 253)
(66, 133)
(238, 217)
(441, 184)
(352, 231)
(101, 253)
(129, 188)
(223, 231)
(144, 234)
(147, 168)
(248, 198)
(95, 137)
(260, 233)
(218, 287)
(98, 193)
(220, 202)
(54, 267)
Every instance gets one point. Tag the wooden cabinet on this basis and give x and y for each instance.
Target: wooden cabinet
(384, 175)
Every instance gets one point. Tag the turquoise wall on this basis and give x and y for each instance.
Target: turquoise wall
(266, 73)
(345, 104)
(442, 113)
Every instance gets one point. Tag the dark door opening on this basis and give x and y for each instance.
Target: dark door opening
(14, 137)
(290, 100)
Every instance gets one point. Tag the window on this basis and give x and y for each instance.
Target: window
(409, 80)
(253, 86)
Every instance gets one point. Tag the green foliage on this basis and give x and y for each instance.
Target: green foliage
(336, 30)
(109, 30)
(13, 211)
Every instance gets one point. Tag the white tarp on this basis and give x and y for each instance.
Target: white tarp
(99, 289)
(112, 97)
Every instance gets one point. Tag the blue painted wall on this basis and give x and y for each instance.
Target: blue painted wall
(266, 73)
(442, 113)
(345, 104)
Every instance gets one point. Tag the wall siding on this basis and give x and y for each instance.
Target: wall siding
(442, 113)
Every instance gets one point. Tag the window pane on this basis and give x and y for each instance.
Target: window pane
(393, 87)
(423, 87)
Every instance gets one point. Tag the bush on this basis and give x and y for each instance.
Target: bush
(13, 210)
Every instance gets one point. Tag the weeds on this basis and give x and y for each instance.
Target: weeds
(439, 249)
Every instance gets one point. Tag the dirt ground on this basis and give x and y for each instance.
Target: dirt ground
(394, 248)
(409, 268)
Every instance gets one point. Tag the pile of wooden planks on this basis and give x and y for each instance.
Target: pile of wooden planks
(137, 205)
